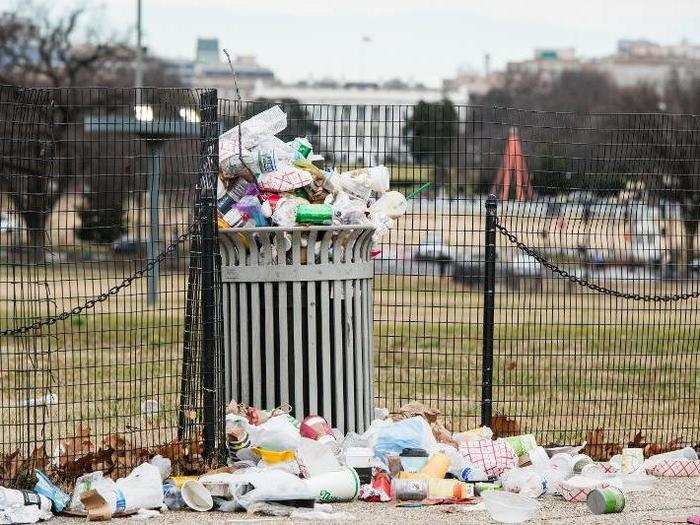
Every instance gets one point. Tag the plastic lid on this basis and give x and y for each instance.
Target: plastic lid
(414, 453)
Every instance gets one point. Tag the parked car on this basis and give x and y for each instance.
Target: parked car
(432, 249)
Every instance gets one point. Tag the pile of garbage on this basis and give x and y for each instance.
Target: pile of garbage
(264, 181)
(279, 466)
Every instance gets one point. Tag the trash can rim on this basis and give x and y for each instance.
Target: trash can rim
(343, 227)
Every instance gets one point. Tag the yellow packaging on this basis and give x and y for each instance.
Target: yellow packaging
(273, 456)
(436, 467)
(180, 480)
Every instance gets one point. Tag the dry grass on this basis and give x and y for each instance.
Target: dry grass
(564, 361)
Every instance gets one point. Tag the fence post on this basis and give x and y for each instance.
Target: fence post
(489, 306)
(210, 364)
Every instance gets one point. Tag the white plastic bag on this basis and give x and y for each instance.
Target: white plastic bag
(23, 506)
(277, 433)
(315, 458)
(268, 485)
(142, 488)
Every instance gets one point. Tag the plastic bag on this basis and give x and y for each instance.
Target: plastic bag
(164, 466)
(269, 485)
(45, 487)
(315, 458)
(392, 203)
(277, 433)
(413, 432)
(93, 481)
(23, 506)
(142, 488)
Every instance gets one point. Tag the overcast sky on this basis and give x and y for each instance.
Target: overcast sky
(412, 39)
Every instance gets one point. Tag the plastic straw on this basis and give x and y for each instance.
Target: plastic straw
(419, 190)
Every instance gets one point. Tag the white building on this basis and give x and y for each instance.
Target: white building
(358, 121)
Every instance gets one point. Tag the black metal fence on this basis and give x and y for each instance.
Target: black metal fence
(98, 248)
(97, 183)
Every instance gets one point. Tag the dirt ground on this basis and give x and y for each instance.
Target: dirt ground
(670, 498)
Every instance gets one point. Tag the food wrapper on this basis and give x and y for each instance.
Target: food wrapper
(285, 179)
(493, 456)
(577, 488)
(676, 468)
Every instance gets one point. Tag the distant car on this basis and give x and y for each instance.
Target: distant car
(128, 245)
(432, 249)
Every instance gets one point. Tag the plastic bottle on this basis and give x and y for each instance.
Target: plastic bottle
(236, 436)
(321, 214)
(449, 488)
(437, 466)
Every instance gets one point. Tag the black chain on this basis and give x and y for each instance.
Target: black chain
(583, 282)
(114, 290)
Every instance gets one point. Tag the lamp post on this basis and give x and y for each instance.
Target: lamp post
(138, 73)
(153, 132)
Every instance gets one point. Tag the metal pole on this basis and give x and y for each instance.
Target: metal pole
(211, 362)
(489, 306)
(154, 220)
(138, 73)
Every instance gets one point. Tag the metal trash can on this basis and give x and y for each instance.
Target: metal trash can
(297, 311)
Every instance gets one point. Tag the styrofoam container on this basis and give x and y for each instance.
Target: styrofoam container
(196, 496)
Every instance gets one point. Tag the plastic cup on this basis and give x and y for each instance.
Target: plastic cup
(342, 485)
(196, 496)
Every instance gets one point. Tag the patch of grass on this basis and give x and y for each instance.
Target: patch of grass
(556, 381)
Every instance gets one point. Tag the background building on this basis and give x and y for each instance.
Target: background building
(364, 121)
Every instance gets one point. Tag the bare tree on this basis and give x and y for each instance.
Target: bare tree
(49, 52)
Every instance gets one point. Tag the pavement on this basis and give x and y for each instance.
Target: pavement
(670, 500)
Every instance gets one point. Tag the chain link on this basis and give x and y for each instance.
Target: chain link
(114, 290)
(584, 282)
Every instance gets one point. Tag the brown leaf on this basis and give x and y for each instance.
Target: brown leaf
(638, 441)
(502, 426)
(511, 365)
(38, 459)
(10, 466)
(173, 450)
(597, 448)
(76, 446)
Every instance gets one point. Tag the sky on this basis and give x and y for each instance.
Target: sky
(415, 40)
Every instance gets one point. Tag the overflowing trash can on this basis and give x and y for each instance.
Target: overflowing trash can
(297, 311)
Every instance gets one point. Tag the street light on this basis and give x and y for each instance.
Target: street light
(138, 73)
